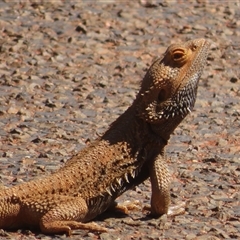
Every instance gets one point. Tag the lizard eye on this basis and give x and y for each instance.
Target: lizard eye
(178, 55)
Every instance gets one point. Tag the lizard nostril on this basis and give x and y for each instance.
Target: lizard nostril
(194, 47)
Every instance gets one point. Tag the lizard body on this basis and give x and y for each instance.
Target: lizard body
(131, 150)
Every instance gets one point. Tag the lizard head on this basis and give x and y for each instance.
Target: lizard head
(168, 90)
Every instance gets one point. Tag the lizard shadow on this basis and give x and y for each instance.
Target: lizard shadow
(108, 214)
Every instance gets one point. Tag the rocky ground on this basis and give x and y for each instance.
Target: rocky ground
(69, 68)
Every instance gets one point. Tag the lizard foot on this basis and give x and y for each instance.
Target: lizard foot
(68, 226)
(127, 206)
(172, 210)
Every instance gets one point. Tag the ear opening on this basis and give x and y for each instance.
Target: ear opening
(162, 95)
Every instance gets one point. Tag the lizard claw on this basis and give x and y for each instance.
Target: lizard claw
(176, 209)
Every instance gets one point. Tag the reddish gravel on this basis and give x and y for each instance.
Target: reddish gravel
(69, 68)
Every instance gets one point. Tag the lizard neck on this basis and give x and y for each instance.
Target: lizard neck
(130, 128)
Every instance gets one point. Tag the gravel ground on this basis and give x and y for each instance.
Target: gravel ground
(69, 68)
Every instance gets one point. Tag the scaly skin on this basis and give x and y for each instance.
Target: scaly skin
(131, 150)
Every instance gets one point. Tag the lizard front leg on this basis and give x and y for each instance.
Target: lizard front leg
(160, 181)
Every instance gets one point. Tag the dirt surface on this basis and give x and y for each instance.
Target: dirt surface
(69, 68)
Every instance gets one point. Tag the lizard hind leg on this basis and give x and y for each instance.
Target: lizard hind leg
(67, 216)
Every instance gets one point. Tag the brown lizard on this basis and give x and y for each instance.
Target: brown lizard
(131, 150)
